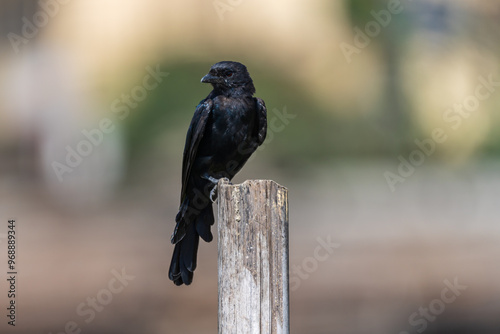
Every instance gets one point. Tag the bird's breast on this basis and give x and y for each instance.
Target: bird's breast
(232, 122)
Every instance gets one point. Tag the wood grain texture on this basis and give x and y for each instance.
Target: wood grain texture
(253, 257)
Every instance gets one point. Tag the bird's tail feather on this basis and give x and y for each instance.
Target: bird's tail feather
(203, 220)
(203, 223)
(185, 252)
(184, 258)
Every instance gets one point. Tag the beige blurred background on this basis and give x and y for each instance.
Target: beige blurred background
(384, 126)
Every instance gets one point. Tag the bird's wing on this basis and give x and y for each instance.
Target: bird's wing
(193, 138)
(262, 119)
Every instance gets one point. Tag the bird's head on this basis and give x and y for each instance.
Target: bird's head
(227, 76)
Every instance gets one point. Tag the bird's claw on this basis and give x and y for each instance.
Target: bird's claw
(214, 191)
(213, 194)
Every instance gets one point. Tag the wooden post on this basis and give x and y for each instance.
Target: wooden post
(253, 258)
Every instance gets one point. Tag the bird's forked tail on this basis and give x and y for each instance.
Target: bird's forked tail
(186, 238)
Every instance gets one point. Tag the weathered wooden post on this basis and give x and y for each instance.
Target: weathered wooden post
(253, 258)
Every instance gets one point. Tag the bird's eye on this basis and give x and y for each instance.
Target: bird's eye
(229, 74)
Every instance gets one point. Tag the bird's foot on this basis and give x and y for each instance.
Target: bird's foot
(226, 180)
(213, 194)
(214, 191)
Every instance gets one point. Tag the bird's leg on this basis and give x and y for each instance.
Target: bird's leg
(211, 179)
(213, 192)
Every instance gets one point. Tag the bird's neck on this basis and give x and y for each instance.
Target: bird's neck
(246, 90)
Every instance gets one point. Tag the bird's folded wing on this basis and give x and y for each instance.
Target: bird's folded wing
(262, 119)
(193, 138)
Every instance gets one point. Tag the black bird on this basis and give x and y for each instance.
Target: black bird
(227, 127)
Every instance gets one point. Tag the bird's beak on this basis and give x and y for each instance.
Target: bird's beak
(209, 79)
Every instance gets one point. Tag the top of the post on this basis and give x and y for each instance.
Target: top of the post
(224, 182)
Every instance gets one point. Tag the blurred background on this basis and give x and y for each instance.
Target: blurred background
(383, 124)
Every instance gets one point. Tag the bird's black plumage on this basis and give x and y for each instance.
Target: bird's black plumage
(227, 127)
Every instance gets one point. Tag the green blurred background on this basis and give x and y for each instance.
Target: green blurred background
(355, 92)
